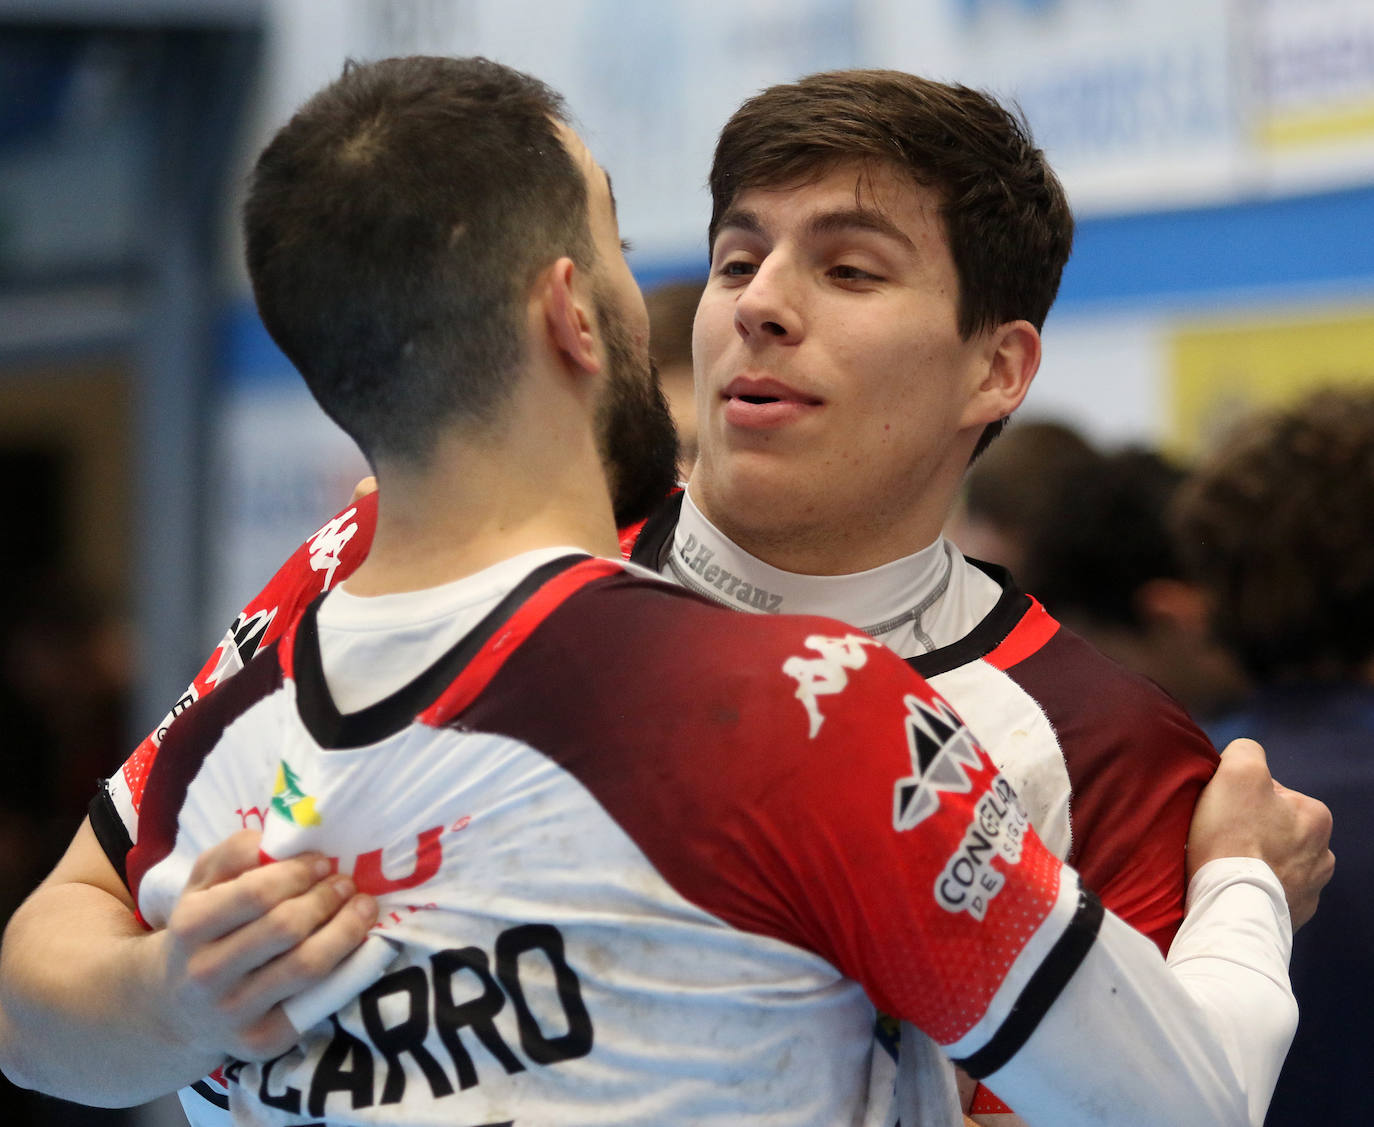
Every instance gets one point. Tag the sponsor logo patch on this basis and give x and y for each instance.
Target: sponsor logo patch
(968, 882)
(943, 751)
(290, 800)
(188, 698)
(240, 643)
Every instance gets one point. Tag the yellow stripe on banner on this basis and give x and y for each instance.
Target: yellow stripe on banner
(1351, 122)
(1219, 370)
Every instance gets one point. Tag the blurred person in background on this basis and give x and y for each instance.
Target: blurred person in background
(65, 665)
(672, 306)
(1278, 528)
(1101, 557)
(1013, 489)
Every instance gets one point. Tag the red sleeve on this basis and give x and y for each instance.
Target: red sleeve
(1136, 766)
(331, 554)
(798, 781)
(903, 847)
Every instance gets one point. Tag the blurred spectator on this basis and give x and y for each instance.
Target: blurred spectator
(1104, 563)
(672, 308)
(1085, 533)
(64, 694)
(1279, 528)
(1013, 488)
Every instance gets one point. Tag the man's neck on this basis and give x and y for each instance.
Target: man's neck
(915, 604)
(435, 528)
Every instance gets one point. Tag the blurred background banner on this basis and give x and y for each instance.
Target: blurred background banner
(1138, 102)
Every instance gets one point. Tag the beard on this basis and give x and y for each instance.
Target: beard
(637, 436)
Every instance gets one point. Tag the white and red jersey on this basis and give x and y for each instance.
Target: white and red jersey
(1006, 649)
(323, 561)
(685, 915)
(1109, 766)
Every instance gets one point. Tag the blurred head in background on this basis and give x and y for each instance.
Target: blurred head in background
(1102, 559)
(1276, 526)
(1014, 489)
(672, 306)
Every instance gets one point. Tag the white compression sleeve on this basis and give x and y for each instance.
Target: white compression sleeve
(1198, 1043)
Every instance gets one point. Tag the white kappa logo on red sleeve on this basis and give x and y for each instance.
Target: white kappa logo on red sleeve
(327, 544)
(826, 674)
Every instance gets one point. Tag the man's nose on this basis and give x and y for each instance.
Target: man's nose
(769, 307)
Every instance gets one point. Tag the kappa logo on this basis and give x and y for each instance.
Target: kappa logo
(290, 800)
(327, 544)
(943, 751)
(827, 674)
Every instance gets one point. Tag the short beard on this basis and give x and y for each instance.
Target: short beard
(638, 439)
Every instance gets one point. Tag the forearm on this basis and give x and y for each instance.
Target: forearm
(1133, 1042)
(79, 1014)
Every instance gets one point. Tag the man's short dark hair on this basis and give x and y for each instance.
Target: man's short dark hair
(393, 228)
(1006, 216)
(1276, 527)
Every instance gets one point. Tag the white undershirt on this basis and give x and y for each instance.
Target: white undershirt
(913, 605)
(373, 645)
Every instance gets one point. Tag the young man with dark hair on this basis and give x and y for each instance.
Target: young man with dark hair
(885, 250)
(642, 860)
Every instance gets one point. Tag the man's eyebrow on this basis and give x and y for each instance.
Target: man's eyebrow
(827, 223)
(858, 219)
(738, 219)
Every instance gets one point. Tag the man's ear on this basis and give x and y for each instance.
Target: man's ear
(568, 316)
(1008, 364)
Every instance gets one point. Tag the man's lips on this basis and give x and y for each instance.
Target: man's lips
(750, 388)
(763, 404)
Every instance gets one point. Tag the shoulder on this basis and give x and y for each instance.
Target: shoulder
(676, 672)
(1096, 704)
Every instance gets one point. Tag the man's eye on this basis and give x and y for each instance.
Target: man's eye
(626, 246)
(738, 269)
(853, 274)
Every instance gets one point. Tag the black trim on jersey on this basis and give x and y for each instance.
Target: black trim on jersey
(204, 1090)
(110, 831)
(1044, 987)
(990, 632)
(650, 549)
(332, 729)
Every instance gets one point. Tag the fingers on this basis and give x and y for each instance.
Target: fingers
(312, 959)
(1243, 762)
(263, 937)
(231, 857)
(208, 913)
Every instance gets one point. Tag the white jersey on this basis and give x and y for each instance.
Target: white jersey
(727, 878)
